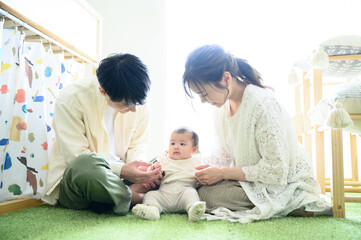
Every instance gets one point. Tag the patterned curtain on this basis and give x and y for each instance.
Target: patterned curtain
(30, 81)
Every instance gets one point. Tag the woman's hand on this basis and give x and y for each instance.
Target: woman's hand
(134, 172)
(208, 174)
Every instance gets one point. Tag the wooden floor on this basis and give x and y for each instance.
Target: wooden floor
(18, 204)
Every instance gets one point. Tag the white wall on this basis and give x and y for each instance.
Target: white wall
(49, 18)
(271, 35)
(138, 27)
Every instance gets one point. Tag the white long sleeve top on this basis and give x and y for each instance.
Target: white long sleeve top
(179, 170)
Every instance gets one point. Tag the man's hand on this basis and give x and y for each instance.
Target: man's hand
(133, 172)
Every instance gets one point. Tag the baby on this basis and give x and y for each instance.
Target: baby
(177, 189)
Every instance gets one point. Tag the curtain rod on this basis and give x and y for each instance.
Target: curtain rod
(6, 14)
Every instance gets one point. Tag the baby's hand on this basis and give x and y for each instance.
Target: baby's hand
(155, 182)
(150, 168)
(156, 165)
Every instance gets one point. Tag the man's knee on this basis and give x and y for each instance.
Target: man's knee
(87, 162)
(86, 170)
(90, 178)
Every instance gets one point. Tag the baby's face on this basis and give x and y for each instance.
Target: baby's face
(181, 146)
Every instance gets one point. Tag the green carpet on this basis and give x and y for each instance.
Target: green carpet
(53, 222)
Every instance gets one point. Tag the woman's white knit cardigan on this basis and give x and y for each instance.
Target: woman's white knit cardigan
(260, 139)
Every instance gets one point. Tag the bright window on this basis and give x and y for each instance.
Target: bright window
(271, 35)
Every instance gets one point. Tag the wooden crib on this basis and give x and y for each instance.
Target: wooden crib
(312, 137)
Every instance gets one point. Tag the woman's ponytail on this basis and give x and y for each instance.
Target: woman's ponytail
(248, 74)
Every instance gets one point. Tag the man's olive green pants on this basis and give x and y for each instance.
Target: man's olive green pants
(88, 180)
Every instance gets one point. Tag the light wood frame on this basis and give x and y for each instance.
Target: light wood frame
(56, 39)
(305, 131)
(18, 204)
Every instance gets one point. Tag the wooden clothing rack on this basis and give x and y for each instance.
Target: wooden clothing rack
(308, 132)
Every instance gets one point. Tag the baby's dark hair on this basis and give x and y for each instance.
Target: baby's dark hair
(195, 137)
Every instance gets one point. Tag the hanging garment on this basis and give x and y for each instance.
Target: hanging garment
(11, 124)
(75, 70)
(32, 79)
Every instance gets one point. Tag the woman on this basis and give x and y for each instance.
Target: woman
(270, 174)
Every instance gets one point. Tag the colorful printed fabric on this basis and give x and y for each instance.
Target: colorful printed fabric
(11, 44)
(75, 70)
(1, 37)
(30, 81)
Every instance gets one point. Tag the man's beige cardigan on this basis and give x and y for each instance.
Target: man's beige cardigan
(78, 115)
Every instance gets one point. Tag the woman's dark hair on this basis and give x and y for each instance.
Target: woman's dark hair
(124, 76)
(206, 65)
(195, 137)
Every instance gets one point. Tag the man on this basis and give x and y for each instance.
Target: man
(102, 131)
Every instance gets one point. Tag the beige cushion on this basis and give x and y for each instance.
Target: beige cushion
(343, 45)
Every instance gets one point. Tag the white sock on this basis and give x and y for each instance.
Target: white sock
(146, 212)
(327, 212)
(196, 211)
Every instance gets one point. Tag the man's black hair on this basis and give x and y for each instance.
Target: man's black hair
(124, 76)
